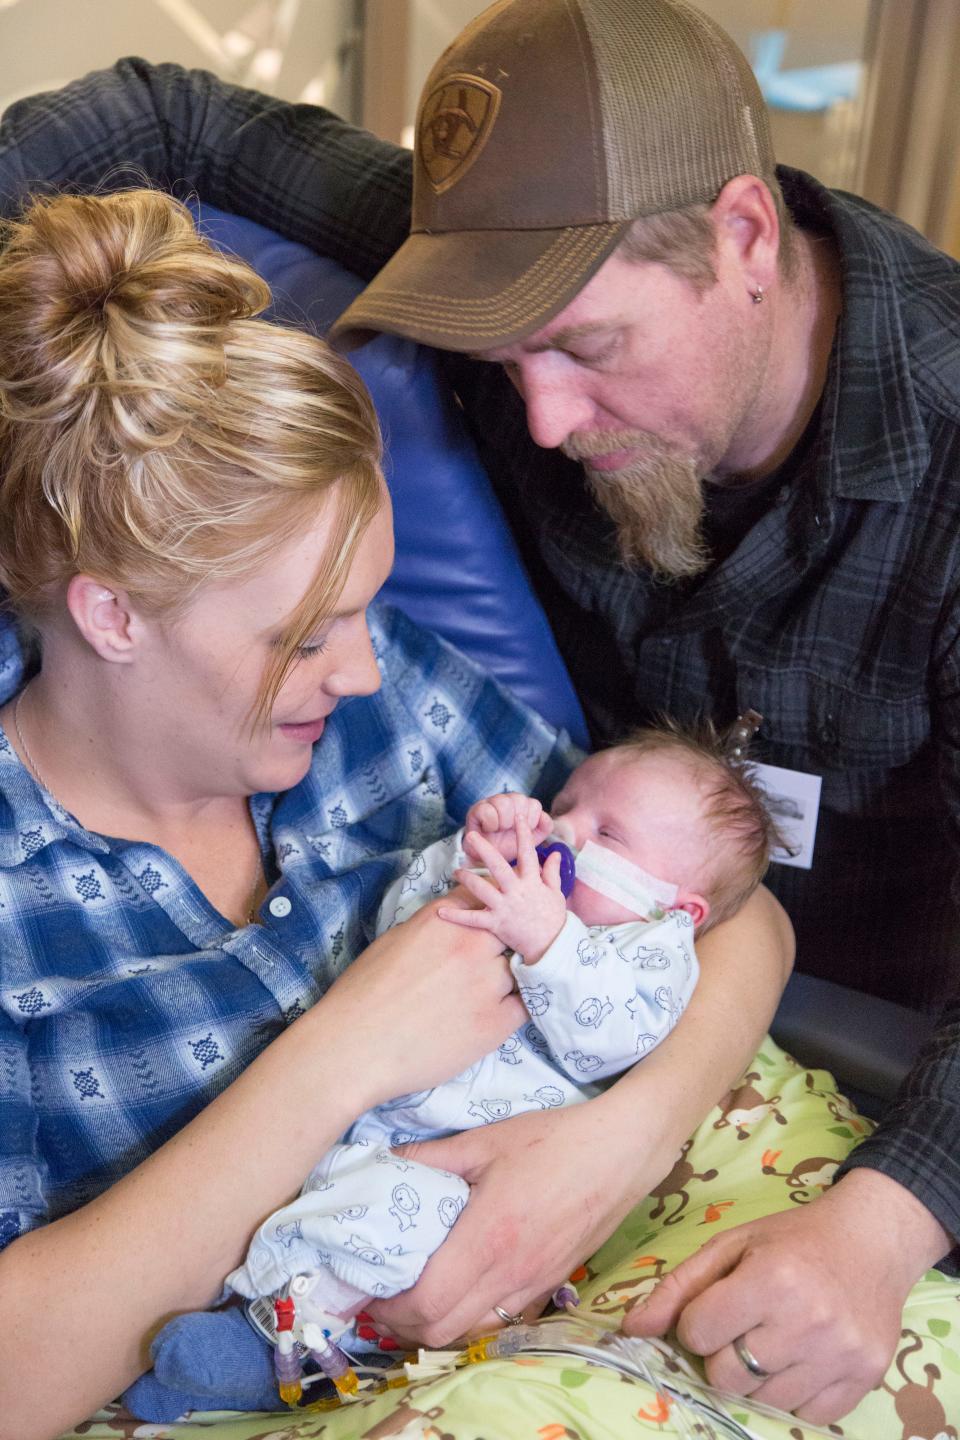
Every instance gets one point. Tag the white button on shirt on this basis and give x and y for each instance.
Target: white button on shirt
(280, 906)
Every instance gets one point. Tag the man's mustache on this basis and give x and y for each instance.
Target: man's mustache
(606, 442)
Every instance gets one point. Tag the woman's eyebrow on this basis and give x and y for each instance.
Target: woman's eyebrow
(275, 633)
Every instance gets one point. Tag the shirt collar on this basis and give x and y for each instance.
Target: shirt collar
(30, 817)
(873, 442)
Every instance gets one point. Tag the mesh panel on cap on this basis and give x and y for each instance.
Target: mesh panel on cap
(682, 113)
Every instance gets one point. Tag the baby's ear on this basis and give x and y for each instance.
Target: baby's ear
(696, 906)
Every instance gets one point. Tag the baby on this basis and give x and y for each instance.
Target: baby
(670, 836)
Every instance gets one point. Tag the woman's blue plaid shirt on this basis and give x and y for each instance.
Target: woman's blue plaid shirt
(127, 1002)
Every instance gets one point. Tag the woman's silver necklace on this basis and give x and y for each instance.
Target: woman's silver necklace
(252, 916)
(26, 749)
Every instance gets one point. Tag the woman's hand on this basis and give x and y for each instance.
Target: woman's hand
(421, 1003)
(816, 1293)
(547, 1189)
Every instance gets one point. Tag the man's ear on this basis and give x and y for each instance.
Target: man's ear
(747, 224)
(696, 906)
(105, 618)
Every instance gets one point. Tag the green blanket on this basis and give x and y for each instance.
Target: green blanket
(773, 1142)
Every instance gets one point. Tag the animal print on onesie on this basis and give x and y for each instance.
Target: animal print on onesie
(367, 1221)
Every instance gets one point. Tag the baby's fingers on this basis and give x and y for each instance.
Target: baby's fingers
(485, 816)
(505, 806)
(478, 886)
(481, 849)
(470, 919)
(527, 861)
(509, 805)
(534, 813)
(551, 870)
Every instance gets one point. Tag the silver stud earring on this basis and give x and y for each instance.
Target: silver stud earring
(757, 295)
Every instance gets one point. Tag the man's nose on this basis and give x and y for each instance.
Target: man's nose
(556, 408)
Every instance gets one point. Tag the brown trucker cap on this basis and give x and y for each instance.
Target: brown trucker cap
(544, 129)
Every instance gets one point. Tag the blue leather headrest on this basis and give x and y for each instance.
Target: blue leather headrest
(457, 568)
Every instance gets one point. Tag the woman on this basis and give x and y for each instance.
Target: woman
(192, 525)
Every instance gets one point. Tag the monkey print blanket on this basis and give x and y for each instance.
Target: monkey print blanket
(772, 1143)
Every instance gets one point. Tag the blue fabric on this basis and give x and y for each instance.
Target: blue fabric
(457, 568)
(211, 1360)
(127, 1002)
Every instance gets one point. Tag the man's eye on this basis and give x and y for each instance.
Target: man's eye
(597, 353)
(592, 357)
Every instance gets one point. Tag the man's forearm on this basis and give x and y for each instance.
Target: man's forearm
(917, 1143)
(296, 168)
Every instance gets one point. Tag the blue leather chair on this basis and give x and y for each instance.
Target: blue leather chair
(458, 570)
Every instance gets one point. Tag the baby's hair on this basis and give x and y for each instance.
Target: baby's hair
(153, 432)
(734, 805)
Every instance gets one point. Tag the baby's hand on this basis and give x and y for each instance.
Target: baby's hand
(522, 905)
(496, 819)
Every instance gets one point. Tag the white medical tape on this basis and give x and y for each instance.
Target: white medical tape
(621, 880)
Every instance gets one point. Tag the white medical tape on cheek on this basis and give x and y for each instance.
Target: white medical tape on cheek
(621, 880)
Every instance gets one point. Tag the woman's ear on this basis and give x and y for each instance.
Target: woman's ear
(696, 906)
(105, 618)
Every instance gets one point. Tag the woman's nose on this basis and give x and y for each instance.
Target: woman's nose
(357, 671)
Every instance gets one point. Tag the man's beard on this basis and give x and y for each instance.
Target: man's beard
(656, 502)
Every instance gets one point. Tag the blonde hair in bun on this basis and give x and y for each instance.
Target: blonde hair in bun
(153, 432)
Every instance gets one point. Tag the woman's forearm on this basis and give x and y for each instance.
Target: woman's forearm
(162, 1239)
(744, 966)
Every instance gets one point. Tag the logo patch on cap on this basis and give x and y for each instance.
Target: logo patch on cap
(455, 124)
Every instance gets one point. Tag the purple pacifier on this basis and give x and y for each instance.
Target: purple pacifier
(568, 868)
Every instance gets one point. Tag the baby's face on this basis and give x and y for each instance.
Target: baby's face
(645, 808)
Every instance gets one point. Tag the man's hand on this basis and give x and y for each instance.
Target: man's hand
(816, 1293)
(522, 905)
(496, 817)
(547, 1189)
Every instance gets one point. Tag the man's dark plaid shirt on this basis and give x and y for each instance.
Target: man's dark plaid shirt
(836, 615)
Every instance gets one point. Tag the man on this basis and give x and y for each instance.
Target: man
(737, 489)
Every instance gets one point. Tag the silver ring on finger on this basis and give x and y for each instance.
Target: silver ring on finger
(506, 1317)
(748, 1360)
